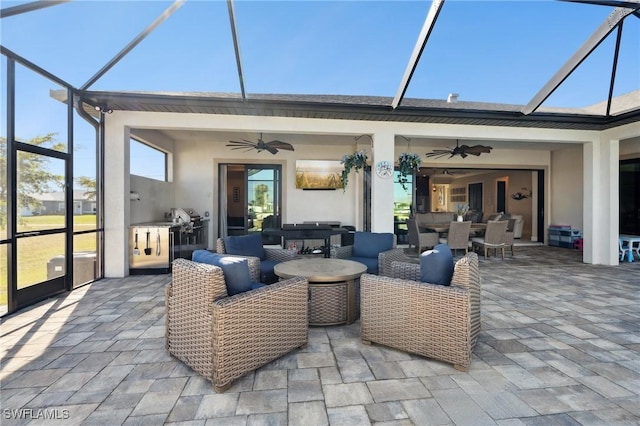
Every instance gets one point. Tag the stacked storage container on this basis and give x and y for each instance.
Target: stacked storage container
(563, 236)
(568, 237)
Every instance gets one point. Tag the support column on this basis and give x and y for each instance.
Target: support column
(601, 201)
(116, 195)
(382, 197)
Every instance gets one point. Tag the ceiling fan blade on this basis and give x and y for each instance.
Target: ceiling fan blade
(271, 149)
(238, 143)
(281, 145)
(437, 153)
(479, 149)
(613, 3)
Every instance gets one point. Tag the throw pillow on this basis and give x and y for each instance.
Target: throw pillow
(245, 245)
(235, 270)
(436, 265)
(370, 244)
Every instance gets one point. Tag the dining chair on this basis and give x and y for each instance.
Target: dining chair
(635, 248)
(420, 239)
(458, 236)
(623, 249)
(511, 234)
(494, 237)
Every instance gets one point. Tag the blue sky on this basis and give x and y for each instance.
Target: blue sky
(492, 51)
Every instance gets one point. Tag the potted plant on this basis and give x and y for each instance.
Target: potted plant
(355, 161)
(408, 163)
(461, 210)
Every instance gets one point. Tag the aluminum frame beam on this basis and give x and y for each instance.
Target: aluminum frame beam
(236, 46)
(29, 7)
(629, 4)
(429, 23)
(159, 20)
(614, 68)
(609, 24)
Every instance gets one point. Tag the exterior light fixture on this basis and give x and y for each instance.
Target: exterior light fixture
(103, 109)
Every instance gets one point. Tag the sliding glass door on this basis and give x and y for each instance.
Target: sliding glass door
(250, 199)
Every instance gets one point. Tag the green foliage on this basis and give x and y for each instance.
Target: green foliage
(34, 178)
(261, 191)
(355, 161)
(407, 164)
(89, 184)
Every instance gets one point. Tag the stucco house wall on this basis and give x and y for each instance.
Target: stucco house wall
(566, 182)
(195, 170)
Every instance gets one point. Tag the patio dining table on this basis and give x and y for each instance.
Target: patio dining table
(442, 228)
(630, 240)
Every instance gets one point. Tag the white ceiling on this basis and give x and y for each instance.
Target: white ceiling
(348, 140)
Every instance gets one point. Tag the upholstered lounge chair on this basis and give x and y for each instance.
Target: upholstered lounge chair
(435, 321)
(368, 248)
(223, 338)
(251, 246)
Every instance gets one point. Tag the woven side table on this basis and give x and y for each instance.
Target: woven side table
(333, 287)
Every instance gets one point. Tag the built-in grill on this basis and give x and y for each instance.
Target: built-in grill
(187, 217)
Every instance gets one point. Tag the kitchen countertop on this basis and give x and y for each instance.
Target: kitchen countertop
(156, 224)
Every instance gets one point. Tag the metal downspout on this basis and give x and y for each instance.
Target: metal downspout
(98, 125)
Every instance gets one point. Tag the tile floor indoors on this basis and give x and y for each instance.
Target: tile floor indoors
(560, 345)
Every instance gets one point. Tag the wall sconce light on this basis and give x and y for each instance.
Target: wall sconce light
(434, 189)
(103, 109)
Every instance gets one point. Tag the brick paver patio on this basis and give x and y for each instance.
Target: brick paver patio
(560, 345)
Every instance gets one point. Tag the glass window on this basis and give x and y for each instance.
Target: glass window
(84, 175)
(4, 280)
(40, 258)
(402, 197)
(260, 196)
(630, 197)
(402, 200)
(84, 258)
(41, 199)
(41, 111)
(147, 161)
(3, 152)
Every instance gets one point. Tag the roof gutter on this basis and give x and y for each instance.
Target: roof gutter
(234, 105)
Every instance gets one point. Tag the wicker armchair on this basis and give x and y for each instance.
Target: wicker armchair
(434, 321)
(223, 338)
(265, 269)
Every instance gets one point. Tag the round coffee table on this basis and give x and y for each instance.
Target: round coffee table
(333, 287)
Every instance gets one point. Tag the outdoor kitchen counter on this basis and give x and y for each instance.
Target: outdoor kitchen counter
(157, 224)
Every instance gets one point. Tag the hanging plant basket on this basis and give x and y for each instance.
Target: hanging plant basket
(408, 163)
(355, 161)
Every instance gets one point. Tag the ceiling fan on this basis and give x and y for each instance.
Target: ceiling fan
(261, 145)
(463, 151)
(448, 172)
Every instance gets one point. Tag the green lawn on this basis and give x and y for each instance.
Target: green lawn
(35, 252)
